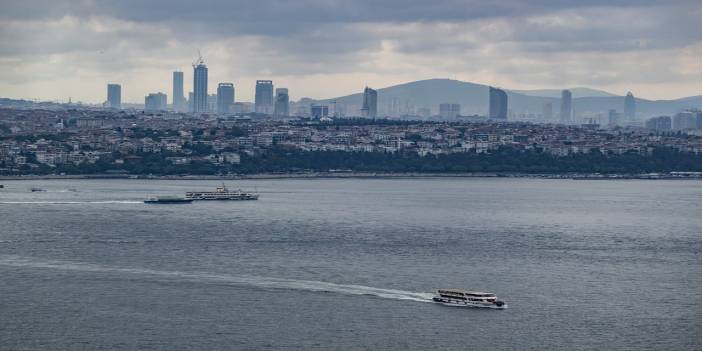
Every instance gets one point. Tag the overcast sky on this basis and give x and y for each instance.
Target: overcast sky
(54, 49)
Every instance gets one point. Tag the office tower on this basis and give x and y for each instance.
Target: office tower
(449, 111)
(225, 97)
(212, 103)
(370, 103)
(282, 102)
(498, 104)
(155, 102)
(199, 86)
(548, 111)
(630, 107)
(566, 107)
(178, 96)
(614, 118)
(659, 124)
(114, 95)
(318, 111)
(264, 96)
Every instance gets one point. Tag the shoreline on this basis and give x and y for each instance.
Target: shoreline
(370, 175)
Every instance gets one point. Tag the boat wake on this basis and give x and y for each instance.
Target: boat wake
(68, 202)
(253, 281)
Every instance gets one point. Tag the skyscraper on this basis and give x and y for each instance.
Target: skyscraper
(264, 96)
(199, 86)
(629, 107)
(155, 102)
(566, 107)
(114, 95)
(498, 104)
(178, 96)
(370, 103)
(225, 97)
(282, 102)
(548, 111)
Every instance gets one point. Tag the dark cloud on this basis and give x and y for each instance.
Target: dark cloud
(527, 42)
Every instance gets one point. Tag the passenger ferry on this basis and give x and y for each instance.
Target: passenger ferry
(221, 193)
(465, 298)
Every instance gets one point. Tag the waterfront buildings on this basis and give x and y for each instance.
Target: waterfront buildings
(498, 104)
(370, 103)
(225, 97)
(178, 94)
(282, 102)
(199, 103)
(114, 95)
(566, 107)
(264, 96)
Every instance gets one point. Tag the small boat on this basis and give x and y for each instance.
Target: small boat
(466, 298)
(221, 193)
(167, 200)
(1, 186)
(35, 190)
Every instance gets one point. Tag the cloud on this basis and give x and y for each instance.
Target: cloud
(322, 48)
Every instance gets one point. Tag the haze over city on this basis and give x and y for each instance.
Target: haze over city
(53, 50)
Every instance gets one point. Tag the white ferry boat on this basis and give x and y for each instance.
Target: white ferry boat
(221, 193)
(465, 298)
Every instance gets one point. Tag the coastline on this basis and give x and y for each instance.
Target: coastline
(379, 175)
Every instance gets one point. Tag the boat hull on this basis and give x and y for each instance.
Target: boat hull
(184, 201)
(461, 303)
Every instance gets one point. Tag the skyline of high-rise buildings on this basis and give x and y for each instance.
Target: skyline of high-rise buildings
(279, 104)
(199, 104)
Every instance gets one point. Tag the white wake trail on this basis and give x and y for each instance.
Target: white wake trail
(255, 281)
(68, 202)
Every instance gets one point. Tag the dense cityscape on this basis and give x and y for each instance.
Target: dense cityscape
(216, 135)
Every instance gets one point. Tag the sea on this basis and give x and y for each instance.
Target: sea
(350, 264)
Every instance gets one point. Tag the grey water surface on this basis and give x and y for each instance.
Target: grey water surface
(350, 264)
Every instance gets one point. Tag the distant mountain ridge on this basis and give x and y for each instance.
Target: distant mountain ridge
(474, 99)
(556, 93)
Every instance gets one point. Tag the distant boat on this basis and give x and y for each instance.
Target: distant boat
(34, 189)
(465, 298)
(1, 186)
(167, 200)
(221, 193)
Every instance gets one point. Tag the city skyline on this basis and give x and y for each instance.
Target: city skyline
(61, 49)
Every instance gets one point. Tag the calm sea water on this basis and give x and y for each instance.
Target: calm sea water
(348, 264)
